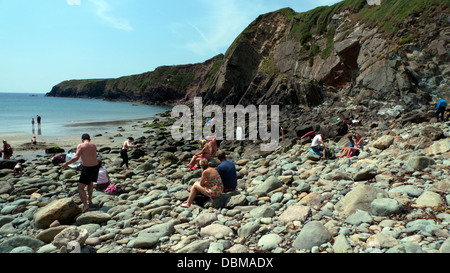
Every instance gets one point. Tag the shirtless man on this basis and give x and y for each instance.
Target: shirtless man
(124, 151)
(90, 166)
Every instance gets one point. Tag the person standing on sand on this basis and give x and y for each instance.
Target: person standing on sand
(87, 151)
(124, 151)
(7, 150)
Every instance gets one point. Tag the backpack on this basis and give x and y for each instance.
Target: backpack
(330, 153)
(58, 159)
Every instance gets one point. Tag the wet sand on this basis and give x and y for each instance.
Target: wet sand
(113, 135)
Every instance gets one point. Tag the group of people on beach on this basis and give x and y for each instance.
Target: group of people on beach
(38, 119)
(355, 146)
(214, 181)
(92, 171)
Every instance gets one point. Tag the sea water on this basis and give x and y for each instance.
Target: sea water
(66, 116)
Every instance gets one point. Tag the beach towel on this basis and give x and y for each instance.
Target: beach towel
(311, 133)
(314, 152)
(111, 189)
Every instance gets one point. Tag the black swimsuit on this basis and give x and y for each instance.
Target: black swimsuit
(89, 174)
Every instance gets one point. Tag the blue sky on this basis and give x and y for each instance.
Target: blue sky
(44, 42)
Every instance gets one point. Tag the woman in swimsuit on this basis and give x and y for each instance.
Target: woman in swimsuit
(204, 153)
(210, 184)
(347, 150)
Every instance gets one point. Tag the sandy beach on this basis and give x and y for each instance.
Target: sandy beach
(114, 134)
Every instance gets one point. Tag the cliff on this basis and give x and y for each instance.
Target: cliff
(352, 53)
(165, 85)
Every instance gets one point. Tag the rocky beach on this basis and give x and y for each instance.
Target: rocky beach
(391, 198)
(376, 68)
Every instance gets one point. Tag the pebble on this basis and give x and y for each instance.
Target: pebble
(390, 200)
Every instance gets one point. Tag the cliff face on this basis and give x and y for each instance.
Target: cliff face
(351, 52)
(165, 85)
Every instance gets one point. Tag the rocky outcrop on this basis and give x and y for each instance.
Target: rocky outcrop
(359, 53)
(345, 55)
(165, 85)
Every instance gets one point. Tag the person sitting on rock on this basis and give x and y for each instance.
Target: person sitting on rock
(212, 142)
(103, 180)
(210, 184)
(227, 171)
(346, 151)
(318, 145)
(204, 153)
(358, 146)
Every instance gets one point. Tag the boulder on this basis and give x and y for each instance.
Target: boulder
(433, 133)
(366, 173)
(93, 217)
(17, 241)
(147, 238)
(312, 234)
(267, 186)
(64, 210)
(359, 198)
(419, 163)
(6, 187)
(48, 235)
(71, 236)
(214, 230)
(383, 142)
(385, 207)
(168, 158)
(295, 213)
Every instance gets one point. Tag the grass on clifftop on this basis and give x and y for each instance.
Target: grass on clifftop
(391, 13)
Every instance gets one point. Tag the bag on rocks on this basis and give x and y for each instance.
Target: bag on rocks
(111, 189)
(58, 159)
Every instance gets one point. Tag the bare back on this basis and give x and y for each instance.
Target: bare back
(87, 151)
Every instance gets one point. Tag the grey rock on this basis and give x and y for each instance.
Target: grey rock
(419, 163)
(215, 229)
(70, 235)
(312, 234)
(263, 211)
(269, 241)
(341, 244)
(359, 217)
(248, 229)
(17, 241)
(359, 198)
(93, 217)
(270, 184)
(147, 238)
(385, 207)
